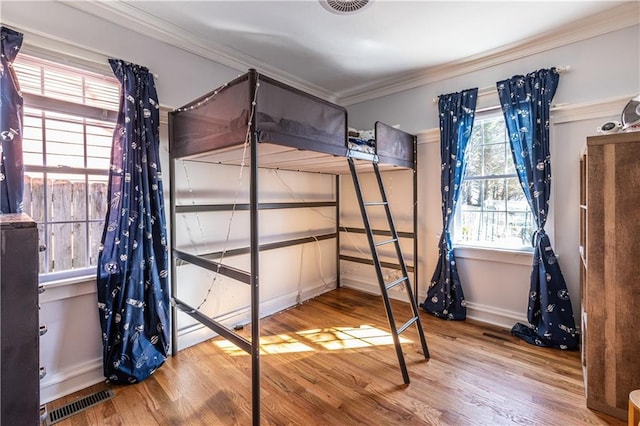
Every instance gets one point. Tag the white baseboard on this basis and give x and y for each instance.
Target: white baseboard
(199, 333)
(363, 286)
(194, 334)
(372, 288)
(483, 313)
(494, 315)
(71, 380)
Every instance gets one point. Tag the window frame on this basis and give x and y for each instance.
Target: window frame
(37, 106)
(471, 249)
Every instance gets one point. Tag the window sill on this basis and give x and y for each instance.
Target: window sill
(62, 282)
(67, 288)
(514, 257)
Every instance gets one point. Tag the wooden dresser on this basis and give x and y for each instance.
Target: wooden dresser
(610, 249)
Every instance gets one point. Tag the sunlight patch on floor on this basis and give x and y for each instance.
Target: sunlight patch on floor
(330, 338)
(335, 338)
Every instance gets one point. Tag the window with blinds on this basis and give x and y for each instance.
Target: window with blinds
(69, 117)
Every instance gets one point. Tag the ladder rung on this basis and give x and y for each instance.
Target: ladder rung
(407, 324)
(395, 283)
(376, 203)
(381, 243)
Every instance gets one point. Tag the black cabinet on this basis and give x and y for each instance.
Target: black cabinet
(19, 327)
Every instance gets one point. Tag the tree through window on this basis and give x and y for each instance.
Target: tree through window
(492, 210)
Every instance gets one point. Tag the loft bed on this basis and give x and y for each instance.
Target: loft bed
(258, 122)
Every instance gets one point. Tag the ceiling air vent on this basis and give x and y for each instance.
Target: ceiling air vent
(345, 7)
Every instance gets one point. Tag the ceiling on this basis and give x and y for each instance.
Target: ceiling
(343, 56)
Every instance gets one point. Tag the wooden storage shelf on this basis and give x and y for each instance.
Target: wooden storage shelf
(610, 270)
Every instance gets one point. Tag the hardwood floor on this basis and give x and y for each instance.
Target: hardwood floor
(330, 362)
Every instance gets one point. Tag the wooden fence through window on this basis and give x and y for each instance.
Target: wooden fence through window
(74, 220)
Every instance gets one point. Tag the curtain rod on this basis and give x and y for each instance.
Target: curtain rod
(492, 89)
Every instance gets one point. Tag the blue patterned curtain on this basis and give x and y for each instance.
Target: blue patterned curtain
(445, 298)
(133, 296)
(526, 101)
(11, 166)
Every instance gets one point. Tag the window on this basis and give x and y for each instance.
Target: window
(69, 117)
(492, 209)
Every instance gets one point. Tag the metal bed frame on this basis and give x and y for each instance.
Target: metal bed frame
(252, 277)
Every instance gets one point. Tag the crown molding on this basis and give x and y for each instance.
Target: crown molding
(126, 15)
(623, 16)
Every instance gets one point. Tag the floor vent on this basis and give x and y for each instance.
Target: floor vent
(66, 411)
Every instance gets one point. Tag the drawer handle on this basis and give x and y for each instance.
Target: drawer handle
(43, 329)
(43, 372)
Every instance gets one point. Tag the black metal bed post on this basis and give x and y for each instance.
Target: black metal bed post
(172, 215)
(415, 218)
(255, 255)
(338, 231)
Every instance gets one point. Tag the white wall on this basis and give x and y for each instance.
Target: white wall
(604, 75)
